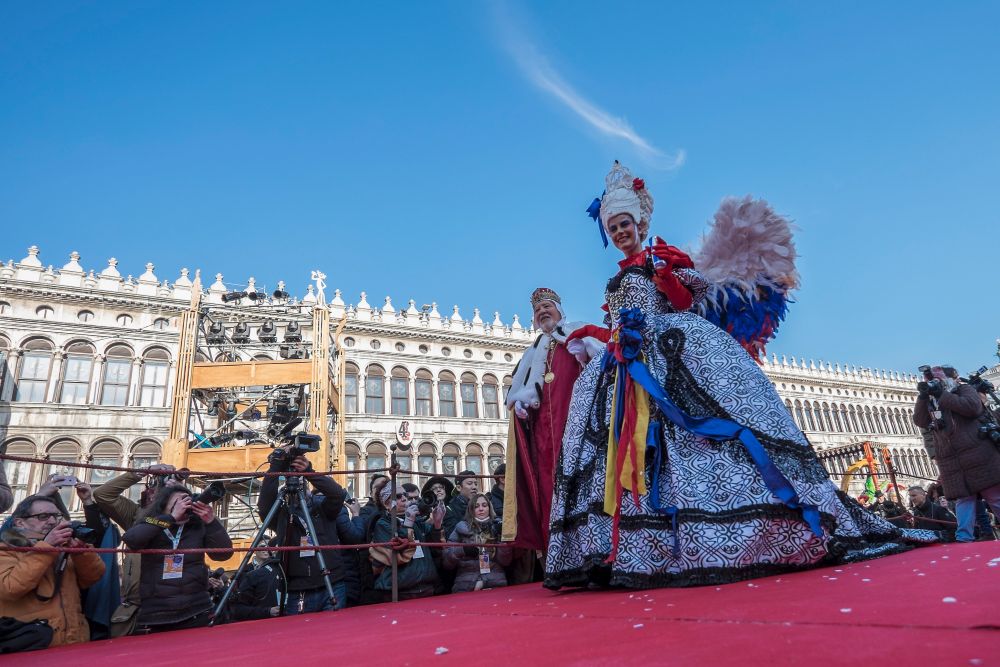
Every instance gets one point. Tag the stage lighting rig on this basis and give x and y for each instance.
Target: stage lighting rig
(216, 334)
(233, 296)
(293, 332)
(267, 333)
(241, 334)
(291, 352)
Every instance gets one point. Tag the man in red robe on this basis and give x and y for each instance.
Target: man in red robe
(539, 401)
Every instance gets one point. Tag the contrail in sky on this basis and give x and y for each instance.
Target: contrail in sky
(540, 72)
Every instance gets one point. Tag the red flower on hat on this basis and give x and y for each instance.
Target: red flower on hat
(638, 184)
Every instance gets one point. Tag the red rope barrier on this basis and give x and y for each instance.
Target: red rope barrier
(205, 473)
(210, 550)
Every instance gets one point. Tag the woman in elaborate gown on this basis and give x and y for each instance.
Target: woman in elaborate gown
(680, 465)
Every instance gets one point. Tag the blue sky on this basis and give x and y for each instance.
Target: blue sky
(422, 150)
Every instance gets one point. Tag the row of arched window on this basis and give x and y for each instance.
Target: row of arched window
(76, 374)
(423, 394)
(843, 418)
(25, 478)
(909, 462)
(448, 461)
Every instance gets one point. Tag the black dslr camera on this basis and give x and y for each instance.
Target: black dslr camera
(302, 444)
(214, 492)
(82, 533)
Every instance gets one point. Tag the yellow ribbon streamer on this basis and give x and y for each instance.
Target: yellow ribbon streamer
(641, 402)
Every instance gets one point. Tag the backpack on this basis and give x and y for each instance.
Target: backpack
(16, 636)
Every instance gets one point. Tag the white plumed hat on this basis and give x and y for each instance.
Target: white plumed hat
(625, 194)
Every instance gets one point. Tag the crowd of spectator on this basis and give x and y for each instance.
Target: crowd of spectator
(50, 597)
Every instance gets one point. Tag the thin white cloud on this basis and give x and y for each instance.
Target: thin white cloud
(537, 69)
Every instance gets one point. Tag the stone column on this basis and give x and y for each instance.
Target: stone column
(96, 374)
(55, 376)
(134, 396)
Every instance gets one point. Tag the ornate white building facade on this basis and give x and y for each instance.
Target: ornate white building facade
(87, 364)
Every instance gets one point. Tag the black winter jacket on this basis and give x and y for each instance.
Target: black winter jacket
(166, 601)
(304, 572)
(258, 591)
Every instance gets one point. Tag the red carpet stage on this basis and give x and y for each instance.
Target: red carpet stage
(935, 606)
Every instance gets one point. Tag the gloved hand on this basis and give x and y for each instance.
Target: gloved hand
(923, 388)
(520, 410)
(937, 389)
(578, 349)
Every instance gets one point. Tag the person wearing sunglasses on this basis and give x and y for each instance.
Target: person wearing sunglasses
(44, 583)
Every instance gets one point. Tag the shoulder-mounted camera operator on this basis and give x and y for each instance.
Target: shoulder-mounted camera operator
(306, 590)
(969, 461)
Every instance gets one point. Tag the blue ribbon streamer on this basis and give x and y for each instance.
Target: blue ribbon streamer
(711, 428)
(594, 211)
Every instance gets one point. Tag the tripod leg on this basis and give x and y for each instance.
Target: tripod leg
(312, 536)
(258, 538)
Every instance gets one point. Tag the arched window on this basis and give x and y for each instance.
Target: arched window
(450, 455)
(63, 455)
(350, 388)
(143, 454)
(791, 411)
(426, 459)
(818, 411)
(495, 456)
(19, 473)
(470, 406)
(854, 420)
(809, 417)
(800, 416)
(4, 352)
(104, 453)
(45, 312)
(375, 390)
(399, 388)
(446, 394)
(828, 418)
(4, 308)
(507, 382)
(353, 459)
(33, 380)
(869, 423)
(474, 460)
(85, 316)
(77, 369)
(837, 423)
(423, 389)
(374, 458)
(844, 418)
(155, 366)
(117, 372)
(491, 397)
(124, 320)
(161, 324)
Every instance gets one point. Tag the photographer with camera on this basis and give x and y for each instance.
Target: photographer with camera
(969, 461)
(110, 498)
(417, 570)
(306, 590)
(43, 585)
(173, 588)
(478, 566)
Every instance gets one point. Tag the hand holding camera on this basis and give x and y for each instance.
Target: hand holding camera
(411, 512)
(179, 510)
(60, 535)
(203, 512)
(437, 514)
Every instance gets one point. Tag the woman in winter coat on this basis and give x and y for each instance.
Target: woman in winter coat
(174, 587)
(478, 565)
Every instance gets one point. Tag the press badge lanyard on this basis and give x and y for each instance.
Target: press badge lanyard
(173, 564)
